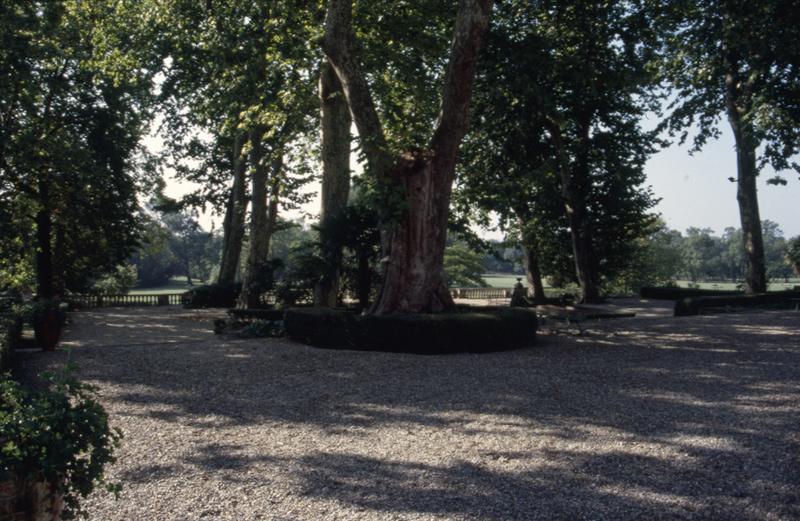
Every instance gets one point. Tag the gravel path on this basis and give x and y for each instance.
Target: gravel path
(660, 418)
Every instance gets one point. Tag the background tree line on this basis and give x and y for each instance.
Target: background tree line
(530, 111)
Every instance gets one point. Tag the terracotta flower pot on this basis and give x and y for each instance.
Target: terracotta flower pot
(38, 501)
(47, 329)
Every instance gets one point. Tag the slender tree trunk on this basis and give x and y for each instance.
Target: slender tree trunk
(233, 225)
(44, 252)
(274, 203)
(747, 196)
(747, 191)
(59, 271)
(413, 243)
(580, 228)
(532, 272)
(364, 279)
(336, 123)
(259, 246)
(530, 259)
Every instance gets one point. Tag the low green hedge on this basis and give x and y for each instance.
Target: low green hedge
(695, 305)
(212, 296)
(436, 333)
(676, 293)
(10, 334)
(256, 314)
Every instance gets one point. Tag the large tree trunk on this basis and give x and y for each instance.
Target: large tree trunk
(414, 243)
(573, 179)
(336, 122)
(747, 191)
(259, 243)
(44, 251)
(233, 225)
(414, 278)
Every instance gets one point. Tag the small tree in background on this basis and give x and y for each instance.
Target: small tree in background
(793, 254)
(737, 59)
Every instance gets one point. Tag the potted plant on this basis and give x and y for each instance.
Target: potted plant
(54, 445)
(46, 317)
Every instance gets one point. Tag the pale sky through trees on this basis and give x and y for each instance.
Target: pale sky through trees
(694, 190)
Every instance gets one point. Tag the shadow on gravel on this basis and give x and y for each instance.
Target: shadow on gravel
(665, 418)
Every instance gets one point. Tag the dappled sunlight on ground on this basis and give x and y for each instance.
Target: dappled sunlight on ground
(643, 418)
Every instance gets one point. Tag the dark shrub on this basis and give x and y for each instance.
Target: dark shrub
(675, 293)
(696, 305)
(59, 435)
(10, 334)
(213, 296)
(256, 314)
(251, 323)
(439, 333)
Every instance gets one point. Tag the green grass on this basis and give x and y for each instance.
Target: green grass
(731, 286)
(502, 280)
(507, 280)
(175, 285)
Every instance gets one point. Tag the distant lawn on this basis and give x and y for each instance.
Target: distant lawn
(731, 286)
(502, 280)
(507, 280)
(175, 285)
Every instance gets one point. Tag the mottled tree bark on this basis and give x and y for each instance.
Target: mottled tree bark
(276, 172)
(747, 173)
(413, 244)
(233, 227)
(259, 245)
(44, 250)
(336, 121)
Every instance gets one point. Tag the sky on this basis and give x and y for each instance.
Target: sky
(694, 190)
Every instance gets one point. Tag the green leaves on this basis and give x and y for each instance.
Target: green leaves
(60, 435)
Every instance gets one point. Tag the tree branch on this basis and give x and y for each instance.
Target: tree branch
(339, 47)
(472, 21)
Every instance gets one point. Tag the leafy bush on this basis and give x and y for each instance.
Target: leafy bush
(458, 332)
(251, 323)
(676, 293)
(9, 299)
(793, 254)
(213, 296)
(257, 314)
(59, 435)
(262, 329)
(776, 300)
(463, 267)
(34, 311)
(10, 334)
(118, 282)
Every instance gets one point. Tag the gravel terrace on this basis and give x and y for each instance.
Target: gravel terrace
(655, 418)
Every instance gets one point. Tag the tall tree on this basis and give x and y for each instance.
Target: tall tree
(558, 113)
(420, 178)
(739, 60)
(234, 71)
(233, 225)
(335, 122)
(74, 96)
